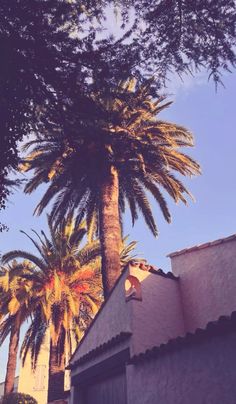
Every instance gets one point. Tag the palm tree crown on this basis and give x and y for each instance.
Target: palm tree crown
(59, 290)
(65, 281)
(124, 150)
(144, 150)
(65, 278)
(18, 303)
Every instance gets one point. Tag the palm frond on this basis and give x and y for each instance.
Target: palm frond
(11, 255)
(150, 186)
(5, 327)
(145, 207)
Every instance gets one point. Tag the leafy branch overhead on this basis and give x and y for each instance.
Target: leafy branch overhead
(54, 51)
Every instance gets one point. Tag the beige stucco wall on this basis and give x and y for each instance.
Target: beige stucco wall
(207, 282)
(153, 320)
(201, 373)
(113, 319)
(36, 383)
(159, 316)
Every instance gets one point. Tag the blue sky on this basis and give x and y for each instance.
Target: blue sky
(211, 117)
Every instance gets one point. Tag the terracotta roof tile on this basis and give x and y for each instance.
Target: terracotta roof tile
(101, 348)
(160, 272)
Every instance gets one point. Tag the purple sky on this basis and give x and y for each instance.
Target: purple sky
(211, 117)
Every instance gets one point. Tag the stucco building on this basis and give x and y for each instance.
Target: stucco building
(36, 381)
(164, 338)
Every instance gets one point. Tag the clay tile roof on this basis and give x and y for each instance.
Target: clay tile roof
(160, 272)
(201, 246)
(101, 348)
(144, 266)
(223, 325)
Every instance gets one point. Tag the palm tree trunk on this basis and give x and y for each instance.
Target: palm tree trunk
(56, 376)
(12, 356)
(110, 231)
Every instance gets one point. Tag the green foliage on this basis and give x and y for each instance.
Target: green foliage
(59, 288)
(182, 36)
(43, 64)
(18, 300)
(122, 131)
(126, 253)
(18, 398)
(64, 280)
(35, 46)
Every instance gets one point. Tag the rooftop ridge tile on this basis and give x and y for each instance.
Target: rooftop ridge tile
(201, 246)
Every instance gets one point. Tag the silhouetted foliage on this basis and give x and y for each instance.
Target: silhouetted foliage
(18, 398)
(52, 51)
(36, 60)
(184, 35)
(6, 187)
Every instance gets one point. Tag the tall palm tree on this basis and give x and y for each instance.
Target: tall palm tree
(66, 280)
(119, 152)
(18, 302)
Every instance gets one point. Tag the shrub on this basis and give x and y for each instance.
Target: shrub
(18, 398)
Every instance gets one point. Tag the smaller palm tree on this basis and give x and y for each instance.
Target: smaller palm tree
(18, 302)
(65, 278)
(64, 283)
